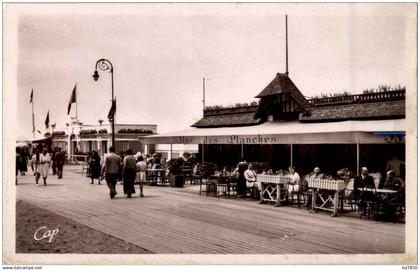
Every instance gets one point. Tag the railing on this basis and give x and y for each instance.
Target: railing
(220, 111)
(361, 98)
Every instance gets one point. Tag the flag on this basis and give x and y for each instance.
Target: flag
(112, 110)
(72, 98)
(32, 95)
(47, 120)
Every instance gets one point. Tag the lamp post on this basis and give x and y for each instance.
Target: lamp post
(104, 65)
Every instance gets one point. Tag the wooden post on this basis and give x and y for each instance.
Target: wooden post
(358, 158)
(242, 151)
(202, 153)
(170, 153)
(204, 95)
(291, 154)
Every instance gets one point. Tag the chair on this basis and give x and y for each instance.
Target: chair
(85, 168)
(392, 206)
(369, 202)
(211, 187)
(298, 194)
(187, 172)
(349, 195)
(232, 189)
(197, 177)
(222, 187)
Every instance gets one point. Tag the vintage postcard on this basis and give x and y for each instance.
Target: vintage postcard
(215, 133)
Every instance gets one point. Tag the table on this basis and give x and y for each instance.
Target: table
(220, 185)
(327, 191)
(378, 190)
(273, 188)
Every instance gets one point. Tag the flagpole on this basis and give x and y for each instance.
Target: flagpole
(75, 92)
(33, 117)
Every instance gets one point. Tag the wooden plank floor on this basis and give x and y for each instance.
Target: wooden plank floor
(171, 220)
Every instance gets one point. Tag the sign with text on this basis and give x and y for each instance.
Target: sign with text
(304, 138)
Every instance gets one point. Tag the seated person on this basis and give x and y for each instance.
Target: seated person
(251, 177)
(344, 174)
(393, 182)
(364, 181)
(316, 174)
(294, 182)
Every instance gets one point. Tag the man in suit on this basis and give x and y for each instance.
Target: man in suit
(364, 181)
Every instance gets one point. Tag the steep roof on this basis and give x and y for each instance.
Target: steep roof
(282, 84)
(371, 110)
(223, 120)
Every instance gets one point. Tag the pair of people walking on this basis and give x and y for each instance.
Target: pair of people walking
(41, 165)
(112, 170)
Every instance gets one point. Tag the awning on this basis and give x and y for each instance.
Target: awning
(287, 132)
(47, 140)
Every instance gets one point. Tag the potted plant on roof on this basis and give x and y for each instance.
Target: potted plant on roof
(176, 178)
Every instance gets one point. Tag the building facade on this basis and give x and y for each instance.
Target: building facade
(80, 138)
(284, 128)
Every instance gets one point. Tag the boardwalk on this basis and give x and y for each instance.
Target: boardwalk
(171, 220)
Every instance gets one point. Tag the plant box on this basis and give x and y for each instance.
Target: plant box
(176, 180)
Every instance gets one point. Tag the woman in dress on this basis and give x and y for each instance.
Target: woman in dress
(129, 171)
(95, 167)
(44, 160)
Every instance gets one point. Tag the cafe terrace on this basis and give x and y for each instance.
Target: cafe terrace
(285, 128)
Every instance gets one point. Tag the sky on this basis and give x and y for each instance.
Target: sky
(161, 52)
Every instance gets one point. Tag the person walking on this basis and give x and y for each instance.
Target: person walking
(241, 185)
(111, 170)
(59, 162)
(129, 171)
(53, 161)
(24, 161)
(141, 173)
(45, 160)
(18, 163)
(95, 167)
(35, 163)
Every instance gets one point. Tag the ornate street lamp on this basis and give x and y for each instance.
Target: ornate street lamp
(104, 65)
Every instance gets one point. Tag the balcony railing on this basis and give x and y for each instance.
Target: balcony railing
(361, 98)
(230, 110)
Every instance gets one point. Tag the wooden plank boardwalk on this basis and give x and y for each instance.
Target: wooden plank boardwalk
(170, 220)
